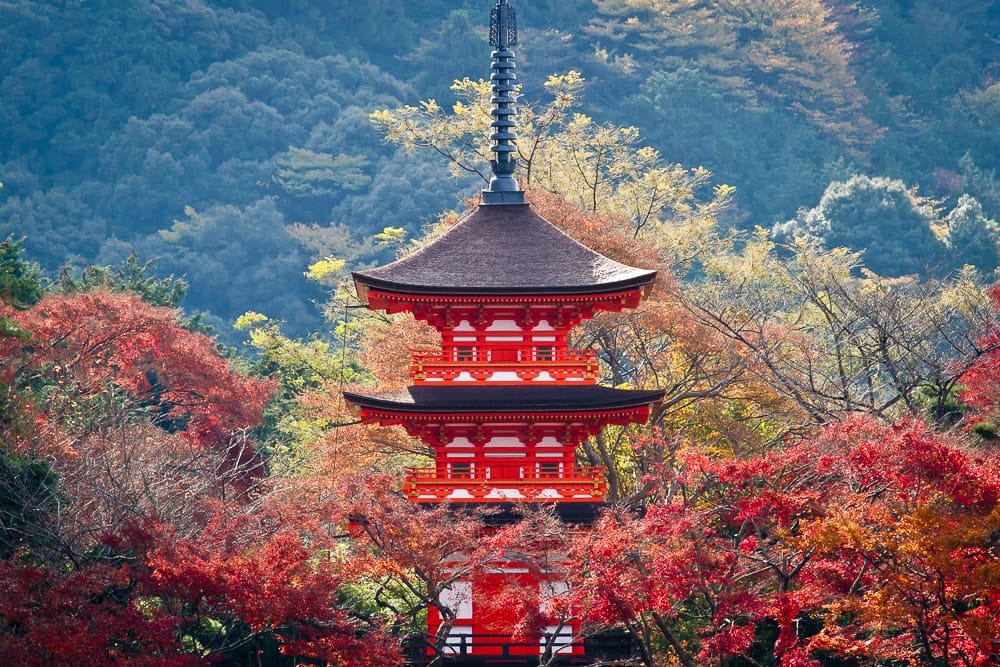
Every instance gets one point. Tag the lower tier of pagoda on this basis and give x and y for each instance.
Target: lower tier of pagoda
(502, 443)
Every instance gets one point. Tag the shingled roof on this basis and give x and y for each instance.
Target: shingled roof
(506, 398)
(503, 249)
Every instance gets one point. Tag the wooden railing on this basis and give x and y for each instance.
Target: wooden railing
(567, 366)
(611, 647)
(580, 484)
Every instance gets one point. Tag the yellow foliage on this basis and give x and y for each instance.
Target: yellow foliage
(249, 319)
(326, 269)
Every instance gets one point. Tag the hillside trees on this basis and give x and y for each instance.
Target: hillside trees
(972, 236)
(219, 135)
(837, 343)
(119, 117)
(773, 84)
(950, 72)
(791, 54)
(879, 216)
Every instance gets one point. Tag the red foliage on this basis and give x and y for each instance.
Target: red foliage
(84, 344)
(981, 382)
(865, 541)
(138, 606)
(143, 424)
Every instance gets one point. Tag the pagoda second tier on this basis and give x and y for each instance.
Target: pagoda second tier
(503, 443)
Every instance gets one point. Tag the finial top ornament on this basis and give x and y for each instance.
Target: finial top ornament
(503, 26)
(503, 188)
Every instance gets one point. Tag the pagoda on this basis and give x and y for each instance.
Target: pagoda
(505, 402)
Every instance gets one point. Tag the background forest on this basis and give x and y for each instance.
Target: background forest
(188, 184)
(230, 140)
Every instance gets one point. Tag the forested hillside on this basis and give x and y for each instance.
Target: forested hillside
(198, 133)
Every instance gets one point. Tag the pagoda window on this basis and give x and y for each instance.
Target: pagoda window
(544, 353)
(461, 469)
(458, 597)
(549, 469)
(465, 353)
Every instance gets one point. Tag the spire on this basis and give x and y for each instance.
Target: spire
(503, 188)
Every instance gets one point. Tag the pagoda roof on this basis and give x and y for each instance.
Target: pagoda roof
(505, 249)
(429, 399)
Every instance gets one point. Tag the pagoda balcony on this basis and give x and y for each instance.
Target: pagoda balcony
(499, 483)
(568, 367)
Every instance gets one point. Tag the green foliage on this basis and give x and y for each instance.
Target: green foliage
(306, 173)
(28, 498)
(788, 54)
(131, 276)
(233, 257)
(879, 216)
(118, 116)
(972, 237)
(21, 282)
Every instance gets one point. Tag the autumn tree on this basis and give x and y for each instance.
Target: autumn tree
(978, 388)
(404, 557)
(839, 341)
(865, 543)
(598, 167)
(312, 431)
(139, 522)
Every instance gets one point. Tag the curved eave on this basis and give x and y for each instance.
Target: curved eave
(364, 283)
(506, 399)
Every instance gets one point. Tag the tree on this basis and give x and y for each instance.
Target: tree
(978, 388)
(860, 544)
(972, 236)
(132, 277)
(21, 282)
(138, 522)
(879, 216)
(906, 553)
(406, 555)
(598, 167)
(838, 344)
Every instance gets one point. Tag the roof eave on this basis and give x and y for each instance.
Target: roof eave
(405, 407)
(364, 282)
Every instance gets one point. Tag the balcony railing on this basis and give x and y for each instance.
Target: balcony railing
(579, 484)
(611, 646)
(567, 366)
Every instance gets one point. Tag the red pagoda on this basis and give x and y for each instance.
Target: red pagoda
(505, 402)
